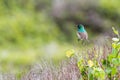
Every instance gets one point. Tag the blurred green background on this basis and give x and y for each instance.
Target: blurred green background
(34, 29)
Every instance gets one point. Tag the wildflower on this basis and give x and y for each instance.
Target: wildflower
(70, 52)
(90, 63)
(115, 39)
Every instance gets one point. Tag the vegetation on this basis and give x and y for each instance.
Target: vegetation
(102, 66)
(97, 63)
(32, 30)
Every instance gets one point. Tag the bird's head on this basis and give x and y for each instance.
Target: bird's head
(80, 26)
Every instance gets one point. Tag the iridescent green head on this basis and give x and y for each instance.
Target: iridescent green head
(81, 28)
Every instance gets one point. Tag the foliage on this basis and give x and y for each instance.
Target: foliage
(113, 59)
(105, 68)
(28, 28)
(25, 33)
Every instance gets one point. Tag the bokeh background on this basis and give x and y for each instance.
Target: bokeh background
(31, 30)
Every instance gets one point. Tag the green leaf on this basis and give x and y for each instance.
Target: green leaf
(112, 55)
(114, 45)
(115, 31)
(116, 61)
(119, 60)
(111, 70)
(90, 76)
(83, 73)
(105, 63)
(114, 71)
(114, 51)
(118, 45)
(99, 73)
(108, 70)
(90, 73)
(80, 64)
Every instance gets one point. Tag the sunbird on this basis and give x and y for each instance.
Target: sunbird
(81, 32)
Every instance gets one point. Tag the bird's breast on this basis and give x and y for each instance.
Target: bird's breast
(82, 35)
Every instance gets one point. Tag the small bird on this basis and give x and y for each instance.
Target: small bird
(81, 32)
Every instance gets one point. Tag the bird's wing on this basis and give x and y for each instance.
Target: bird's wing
(86, 35)
(78, 35)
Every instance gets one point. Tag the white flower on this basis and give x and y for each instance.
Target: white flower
(115, 39)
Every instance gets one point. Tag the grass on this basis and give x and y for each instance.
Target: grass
(67, 70)
(70, 69)
(91, 63)
(19, 60)
(25, 39)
